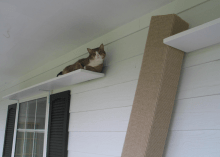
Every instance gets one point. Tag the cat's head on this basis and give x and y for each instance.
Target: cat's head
(97, 53)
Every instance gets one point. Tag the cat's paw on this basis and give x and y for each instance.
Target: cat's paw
(85, 67)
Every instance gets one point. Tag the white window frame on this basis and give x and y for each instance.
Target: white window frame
(46, 123)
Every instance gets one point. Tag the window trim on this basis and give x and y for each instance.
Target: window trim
(46, 122)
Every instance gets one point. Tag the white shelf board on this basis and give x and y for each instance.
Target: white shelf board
(69, 79)
(196, 38)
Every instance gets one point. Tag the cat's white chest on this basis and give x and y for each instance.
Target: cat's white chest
(95, 62)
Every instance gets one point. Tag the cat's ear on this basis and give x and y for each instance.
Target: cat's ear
(89, 50)
(101, 47)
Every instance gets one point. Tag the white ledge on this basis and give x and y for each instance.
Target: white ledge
(69, 79)
(196, 38)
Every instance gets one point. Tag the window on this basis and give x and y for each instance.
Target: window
(31, 128)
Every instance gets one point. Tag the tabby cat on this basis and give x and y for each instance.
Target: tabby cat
(93, 63)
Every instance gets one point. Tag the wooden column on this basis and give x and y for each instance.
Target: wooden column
(156, 90)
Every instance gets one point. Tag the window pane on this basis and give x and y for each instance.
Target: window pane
(28, 145)
(41, 111)
(30, 114)
(22, 115)
(24, 144)
(38, 145)
(19, 144)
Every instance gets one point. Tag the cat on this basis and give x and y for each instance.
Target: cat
(94, 62)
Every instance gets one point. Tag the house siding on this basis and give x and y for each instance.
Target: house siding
(100, 109)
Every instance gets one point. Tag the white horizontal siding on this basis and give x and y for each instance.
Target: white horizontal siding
(199, 104)
(100, 126)
(200, 113)
(4, 105)
(2, 133)
(196, 121)
(119, 95)
(78, 154)
(3, 114)
(199, 92)
(200, 80)
(127, 47)
(202, 143)
(102, 120)
(103, 143)
(2, 124)
(201, 56)
(204, 75)
(2, 137)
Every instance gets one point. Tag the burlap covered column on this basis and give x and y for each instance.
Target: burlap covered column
(156, 90)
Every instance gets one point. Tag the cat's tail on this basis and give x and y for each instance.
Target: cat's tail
(61, 73)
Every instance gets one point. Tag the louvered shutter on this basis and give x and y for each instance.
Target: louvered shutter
(9, 130)
(58, 125)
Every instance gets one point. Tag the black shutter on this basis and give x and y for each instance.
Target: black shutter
(9, 130)
(58, 125)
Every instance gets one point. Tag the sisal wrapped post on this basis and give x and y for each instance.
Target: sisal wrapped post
(156, 90)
